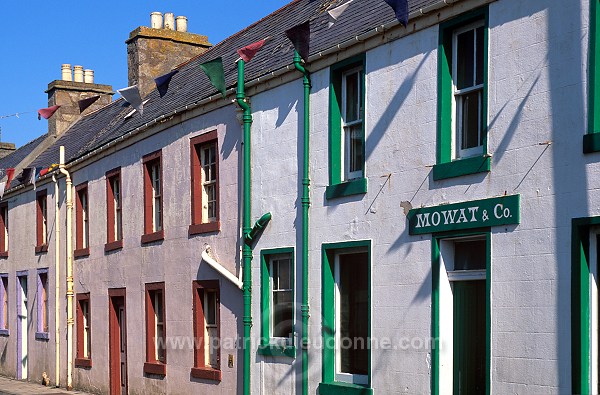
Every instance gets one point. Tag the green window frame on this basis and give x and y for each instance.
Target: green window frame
(453, 160)
(347, 129)
(270, 345)
(331, 383)
(441, 281)
(591, 140)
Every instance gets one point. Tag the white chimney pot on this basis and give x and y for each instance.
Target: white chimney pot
(181, 22)
(88, 76)
(169, 21)
(156, 20)
(66, 74)
(78, 73)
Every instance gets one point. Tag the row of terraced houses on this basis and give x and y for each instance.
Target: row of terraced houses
(409, 209)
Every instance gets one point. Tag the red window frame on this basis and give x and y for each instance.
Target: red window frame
(4, 230)
(112, 243)
(200, 370)
(150, 235)
(41, 216)
(81, 360)
(80, 250)
(199, 224)
(152, 365)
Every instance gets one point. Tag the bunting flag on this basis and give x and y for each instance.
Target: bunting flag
(216, 74)
(10, 173)
(47, 170)
(47, 112)
(2, 186)
(248, 52)
(300, 36)
(400, 8)
(162, 82)
(27, 176)
(85, 103)
(335, 13)
(131, 94)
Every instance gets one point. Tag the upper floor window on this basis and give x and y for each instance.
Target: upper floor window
(114, 214)
(82, 228)
(153, 207)
(4, 230)
(462, 96)
(205, 183)
(347, 128)
(42, 222)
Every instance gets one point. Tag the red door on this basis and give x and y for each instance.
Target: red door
(117, 326)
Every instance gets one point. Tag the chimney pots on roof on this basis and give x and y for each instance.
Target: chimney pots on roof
(66, 74)
(181, 23)
(78, 73)
(156, 20)
(169, 21)
(88, 76)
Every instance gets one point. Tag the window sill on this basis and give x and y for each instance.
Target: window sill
(41, 336)
(462, 167)
(4, 332)
(3, 254)
(209, 227)
(349, 188)
(81, 252)
(274, 350)
(206, 374)
(113, 245)
(42, 248)
(83, 363)
(591, 143)
(152, 237)
(339, 388)
(156, 368)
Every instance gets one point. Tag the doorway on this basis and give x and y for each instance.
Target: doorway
(117, 326)
(22, 322)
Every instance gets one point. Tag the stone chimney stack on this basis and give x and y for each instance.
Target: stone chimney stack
(154, 51)
(6, 149)
(67, 93)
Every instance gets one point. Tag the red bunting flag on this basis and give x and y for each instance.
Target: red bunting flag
(248, 52)
(47, 112)
(10, 173)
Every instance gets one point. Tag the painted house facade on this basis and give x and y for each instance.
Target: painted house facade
(408, 210)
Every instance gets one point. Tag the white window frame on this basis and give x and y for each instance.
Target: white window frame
(155, 180)
(457, 95)
(208, 338)
(85, 313)
(348, 175)
(594, 308)
(157, 295)
(117, 199)
(85, 241)
(208, 180)
(44, 203)
(5, 215)
(275, 340)
(362, 379)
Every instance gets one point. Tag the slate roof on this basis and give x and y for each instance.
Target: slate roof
(190, 85)
(15, 157)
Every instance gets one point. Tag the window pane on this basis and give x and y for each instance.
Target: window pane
(283, 273)
(210, 308)
(465, 66)
(470, 111)
(282, 314)
(354, 312)
(352, 112)
(469, 255)
(479, 54)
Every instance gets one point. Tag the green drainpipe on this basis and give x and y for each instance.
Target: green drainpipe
(246, 226)
(305, 206)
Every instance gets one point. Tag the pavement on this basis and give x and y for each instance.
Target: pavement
(10, 386)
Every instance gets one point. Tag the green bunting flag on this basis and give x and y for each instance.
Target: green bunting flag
(216, 74)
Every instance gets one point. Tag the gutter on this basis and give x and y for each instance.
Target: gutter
(305, 224)
(70, 294)
(246, 225)
(56, 282)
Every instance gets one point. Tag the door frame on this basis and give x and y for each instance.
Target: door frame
(114, 340)
(22, 336)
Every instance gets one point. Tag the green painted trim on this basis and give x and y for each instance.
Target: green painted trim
(354, 187)
(328, 320)
(591, 141)
(462, 167)
(580, 304)
(265, 347)
(444, 108)
(335, 116)
(435, 304)
(594, 71)
(343, 389)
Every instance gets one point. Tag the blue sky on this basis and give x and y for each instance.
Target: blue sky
(36, 37)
